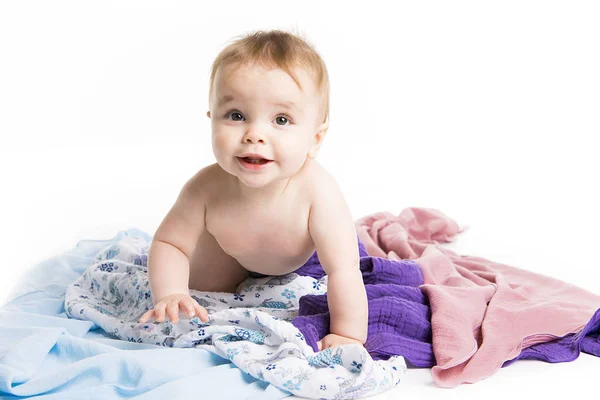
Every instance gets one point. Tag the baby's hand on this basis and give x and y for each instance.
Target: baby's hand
(172, 304)
(333, 340)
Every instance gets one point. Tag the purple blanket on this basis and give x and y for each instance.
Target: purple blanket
(400, 316)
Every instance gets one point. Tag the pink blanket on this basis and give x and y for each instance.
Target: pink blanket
(483, 313)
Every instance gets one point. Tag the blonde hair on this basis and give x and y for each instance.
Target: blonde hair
(276, 49)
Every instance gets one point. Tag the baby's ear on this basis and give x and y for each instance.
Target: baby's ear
(208, 114)
(319, 135)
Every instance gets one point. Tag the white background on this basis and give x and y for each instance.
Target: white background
(486, 111)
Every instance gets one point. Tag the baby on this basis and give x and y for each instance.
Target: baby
(266, 205)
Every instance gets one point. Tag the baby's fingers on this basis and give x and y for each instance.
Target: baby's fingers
(188, 305)
(173, 312)
(147, 316)
(201, 312)
(159, 311)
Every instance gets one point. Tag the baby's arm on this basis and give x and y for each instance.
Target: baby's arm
(332, 229)
(170, 252)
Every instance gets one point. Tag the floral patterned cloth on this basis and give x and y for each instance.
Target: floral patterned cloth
(251, 328)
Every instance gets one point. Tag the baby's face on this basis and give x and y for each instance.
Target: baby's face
(261, 111)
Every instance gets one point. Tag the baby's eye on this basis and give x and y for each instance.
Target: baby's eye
(281, 120)
(235, 116)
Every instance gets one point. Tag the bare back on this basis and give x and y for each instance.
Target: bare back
(270, 238)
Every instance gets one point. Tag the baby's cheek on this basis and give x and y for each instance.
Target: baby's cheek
(296, 159)
(219, 143)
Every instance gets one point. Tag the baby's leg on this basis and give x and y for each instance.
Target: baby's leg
(213, 270)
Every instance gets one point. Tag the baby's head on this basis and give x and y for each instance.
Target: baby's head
(269, 95)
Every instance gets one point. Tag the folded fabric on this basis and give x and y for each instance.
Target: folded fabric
(399, 316)
(250, 328)
(484, 315)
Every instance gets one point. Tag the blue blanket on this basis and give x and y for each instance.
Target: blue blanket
(43, 353)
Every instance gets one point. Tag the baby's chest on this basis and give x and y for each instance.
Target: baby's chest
(277, 232)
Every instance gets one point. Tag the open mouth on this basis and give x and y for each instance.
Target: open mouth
(253, 163)
(251, 160)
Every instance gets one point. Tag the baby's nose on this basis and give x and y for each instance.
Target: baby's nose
(254, 136)
(251, 140)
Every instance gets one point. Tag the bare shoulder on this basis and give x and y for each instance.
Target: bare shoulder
(186, 220)
(330, 223)
(204, 181)
(320, 182)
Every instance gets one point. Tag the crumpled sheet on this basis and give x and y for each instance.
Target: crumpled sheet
(251, 328)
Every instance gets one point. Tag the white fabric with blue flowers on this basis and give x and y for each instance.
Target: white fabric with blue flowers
(251, 327)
